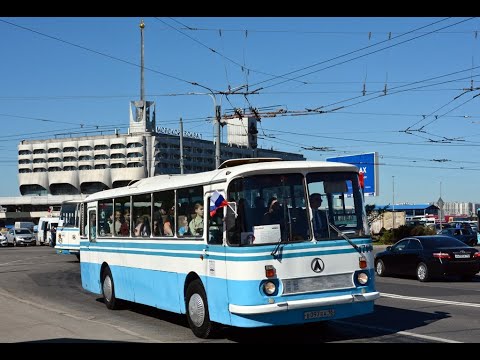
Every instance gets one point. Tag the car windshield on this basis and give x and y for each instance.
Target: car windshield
(441, 241)
(23, 232)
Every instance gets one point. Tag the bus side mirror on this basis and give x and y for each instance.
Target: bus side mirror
(230, 216)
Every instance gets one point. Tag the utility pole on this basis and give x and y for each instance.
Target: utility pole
(181, 146)
(440, 205)
(217, 135)
(393, 200)
(142, 87)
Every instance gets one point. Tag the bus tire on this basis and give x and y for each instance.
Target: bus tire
(108, 289)
(197, 310)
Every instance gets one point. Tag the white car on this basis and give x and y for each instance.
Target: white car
(3, 239)
(20, 236)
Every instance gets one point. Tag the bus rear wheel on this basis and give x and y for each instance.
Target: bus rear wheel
(108, 289)
(197, 310)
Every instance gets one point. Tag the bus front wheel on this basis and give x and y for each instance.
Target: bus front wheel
(108, 289)
(197, 310)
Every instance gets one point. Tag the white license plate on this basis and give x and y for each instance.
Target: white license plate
(462, 256)
(308, 315)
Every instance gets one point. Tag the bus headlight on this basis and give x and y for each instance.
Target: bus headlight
(269, 288)
(362, 278)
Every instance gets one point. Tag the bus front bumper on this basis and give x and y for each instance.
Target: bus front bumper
(302, 304)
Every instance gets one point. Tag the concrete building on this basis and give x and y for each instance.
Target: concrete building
(54, 170)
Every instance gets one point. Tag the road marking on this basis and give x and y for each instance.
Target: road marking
(28, 263)
(89, 319)
(405, 333)
(435, 301)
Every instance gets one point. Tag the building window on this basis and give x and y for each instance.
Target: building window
(134, 155)
(117, 156)
(101, 147)
(101, 157)
(117, 166)
(134, 164)
(85, 148)
(117, 146)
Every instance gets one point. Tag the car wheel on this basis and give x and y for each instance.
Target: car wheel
(197, 310)
(380, 268)
(422, 272)
(108, 289)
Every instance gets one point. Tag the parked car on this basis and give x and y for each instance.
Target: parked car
(464, 234)
(3, 239)
(20, 236)
(427, 257)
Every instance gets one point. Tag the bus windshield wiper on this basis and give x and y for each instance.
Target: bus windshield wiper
(355, 246)
(277, 247)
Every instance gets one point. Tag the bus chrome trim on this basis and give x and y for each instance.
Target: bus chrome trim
(318, 283)
(301, 304)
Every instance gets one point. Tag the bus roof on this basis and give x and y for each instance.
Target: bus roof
(174, 181)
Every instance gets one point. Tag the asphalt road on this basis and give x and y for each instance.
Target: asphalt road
(42, 300)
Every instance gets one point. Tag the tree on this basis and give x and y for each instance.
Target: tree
(374, 214)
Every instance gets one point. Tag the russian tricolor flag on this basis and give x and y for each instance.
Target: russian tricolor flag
(216, 202)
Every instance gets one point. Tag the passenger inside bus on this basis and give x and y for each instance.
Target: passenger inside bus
(274, 215)
(196, 225)
(320, 223)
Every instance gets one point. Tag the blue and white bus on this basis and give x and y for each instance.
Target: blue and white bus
(144, 243)
(68, 230)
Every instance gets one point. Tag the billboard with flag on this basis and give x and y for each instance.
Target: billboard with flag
(367, 165)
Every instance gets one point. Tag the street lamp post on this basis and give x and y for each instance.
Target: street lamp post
(217, 125)
(217, 135)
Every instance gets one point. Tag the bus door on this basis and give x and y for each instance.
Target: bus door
(87, 258)
(214, 256)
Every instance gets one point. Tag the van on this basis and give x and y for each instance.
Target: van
(44, 226)
(24, 225)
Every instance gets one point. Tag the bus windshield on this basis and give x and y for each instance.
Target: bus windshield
(69, 215)
(293, 207)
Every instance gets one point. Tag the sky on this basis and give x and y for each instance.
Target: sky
(406, 88)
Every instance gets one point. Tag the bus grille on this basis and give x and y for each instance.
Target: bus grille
(317, 283)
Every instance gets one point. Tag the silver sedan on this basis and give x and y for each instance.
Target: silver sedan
(20, 237)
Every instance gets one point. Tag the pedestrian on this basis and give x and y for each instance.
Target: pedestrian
(53, 236)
